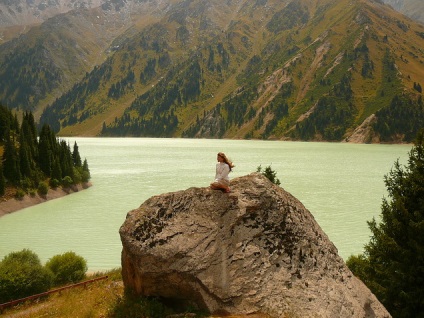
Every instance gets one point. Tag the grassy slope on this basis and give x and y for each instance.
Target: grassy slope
(103, 298)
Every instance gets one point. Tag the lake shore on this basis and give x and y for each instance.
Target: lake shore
(13, 204)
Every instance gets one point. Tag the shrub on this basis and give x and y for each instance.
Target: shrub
(22, 275)
(67, 268)
(54, 183)
(270, 174)
(43, 188)
(67, 181)
(19, 194)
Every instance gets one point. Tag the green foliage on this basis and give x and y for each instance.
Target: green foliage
(392, 265)
(19, 194)
(269, 173)
(28, 160)
(43, 188)
(26, 86)
(11, 167)
(294, 14)
(329, 121)
(403, 117)
(67, 181)
(2, 181)
(67, 268)
(8, 123)
(54, 183)
(86, 176)
(133, 306)
(76, 158)
(22, 275)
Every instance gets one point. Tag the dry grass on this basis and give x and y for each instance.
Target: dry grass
(103, 298)
(94, 300)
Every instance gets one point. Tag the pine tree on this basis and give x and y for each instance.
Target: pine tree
(393, 263)
(76, 156)
(66, 163)
(2, 182)
(46, 148)
(86, 171)
(11, 161)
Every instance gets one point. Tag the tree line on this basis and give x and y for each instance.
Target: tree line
(32, 161)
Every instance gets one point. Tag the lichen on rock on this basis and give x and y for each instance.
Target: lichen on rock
(255, 250)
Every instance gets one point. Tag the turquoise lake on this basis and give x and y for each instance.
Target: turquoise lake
(341, 184)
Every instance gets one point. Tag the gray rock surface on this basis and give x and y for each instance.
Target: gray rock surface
(255, 250)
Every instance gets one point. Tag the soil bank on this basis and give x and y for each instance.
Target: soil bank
(13, 205)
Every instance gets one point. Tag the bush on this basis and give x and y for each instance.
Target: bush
(54, 183)
(22, 275)
(43, 188)
(67, 181)
(270, 174)
(67, 268)
(20, 194)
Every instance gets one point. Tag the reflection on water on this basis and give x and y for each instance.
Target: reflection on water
(341, 184)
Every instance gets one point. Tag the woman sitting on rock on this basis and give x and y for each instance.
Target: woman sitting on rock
(223, 168)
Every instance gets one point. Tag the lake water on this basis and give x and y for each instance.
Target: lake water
(341, 184)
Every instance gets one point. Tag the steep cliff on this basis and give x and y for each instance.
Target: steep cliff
(255, 250)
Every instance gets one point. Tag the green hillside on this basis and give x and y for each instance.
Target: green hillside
(305, 69)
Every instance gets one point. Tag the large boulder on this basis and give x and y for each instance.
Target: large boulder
(254, 250)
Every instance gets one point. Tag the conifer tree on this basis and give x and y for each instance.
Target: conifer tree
(57, 170)
(2, 182)
(46, 150)
(393, 263)
(28, 135)
(76, 156)
(11, 161)
(24, 163)
(66, 162)
(86, 172)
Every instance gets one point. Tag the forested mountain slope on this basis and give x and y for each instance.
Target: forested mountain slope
(271, 69)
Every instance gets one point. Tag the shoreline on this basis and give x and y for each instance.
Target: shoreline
(13, 205)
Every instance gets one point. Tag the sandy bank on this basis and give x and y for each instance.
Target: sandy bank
(13, 205)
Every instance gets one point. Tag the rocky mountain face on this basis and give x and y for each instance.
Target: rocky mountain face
(412, 8)
(22, 12)
(255, 250)
(264, 69)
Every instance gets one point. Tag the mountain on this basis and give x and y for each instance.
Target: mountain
(411, 8)
(271, 69)
(23, 12)
(45, 61)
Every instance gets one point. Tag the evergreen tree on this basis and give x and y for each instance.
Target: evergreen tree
(269, 173)
(76, 156)
(2, 182)
(25, 162)
(66, 162)
(393, 263)
(46, 149)
(28, 134)
(11, 161)
(85, 172)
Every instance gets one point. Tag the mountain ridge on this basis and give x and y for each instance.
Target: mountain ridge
(411, 8)
(252, 69)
